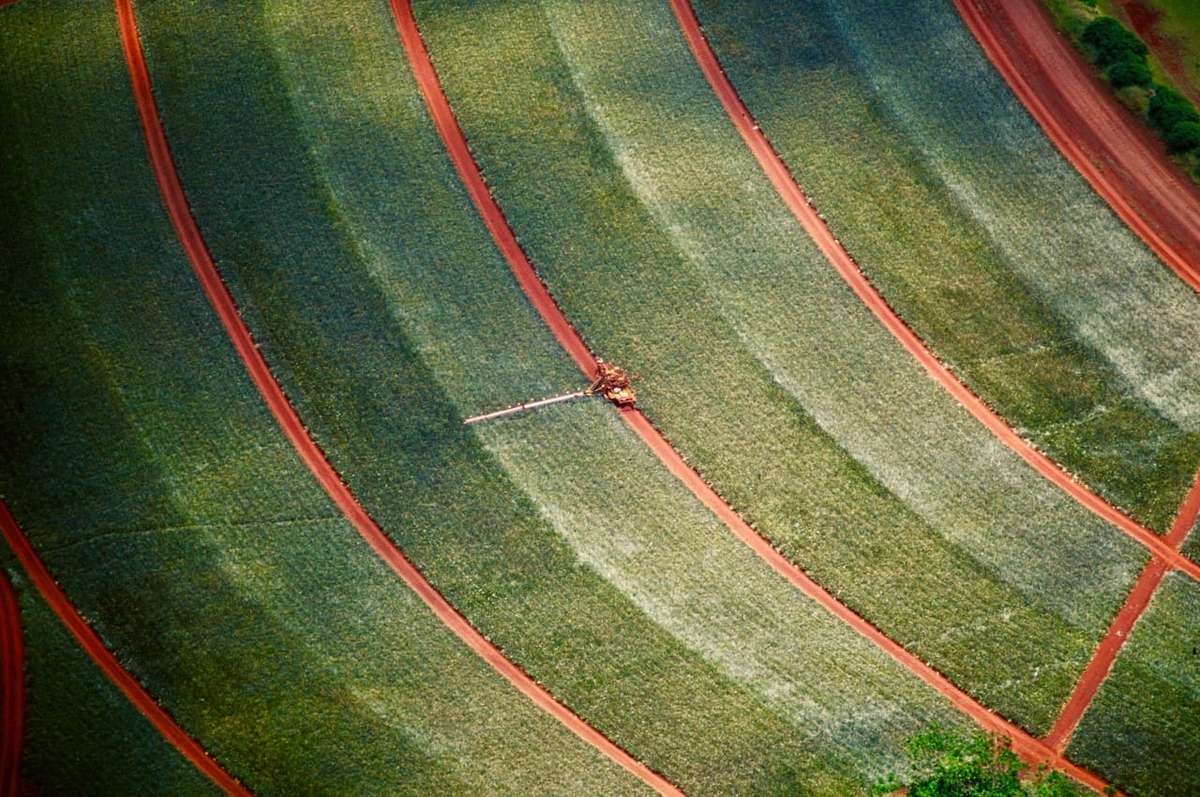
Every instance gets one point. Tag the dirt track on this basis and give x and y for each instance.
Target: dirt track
(1122, 625)
(222, 302)
(1115, 151)
(1029, 747)
(104, 658)
(12, 689)
(796, 201)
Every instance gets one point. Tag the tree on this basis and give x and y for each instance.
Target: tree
(946, 764)
(1169, 108)
(1183, 136)
(1129, 73)
(1113, 42)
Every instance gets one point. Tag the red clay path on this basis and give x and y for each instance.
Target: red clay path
(12, 689)
(796, 200)
(106, 661)
(1028, 747)
(1135, 605)
(1115, 151)
(289, 421)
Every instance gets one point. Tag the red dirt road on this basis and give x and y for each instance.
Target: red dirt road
(1112, 149)
(12, 689)
(288, 420)
(1122, 625)
(1029, 747)
(796, 201)
(106, 661)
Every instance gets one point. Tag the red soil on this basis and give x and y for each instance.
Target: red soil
(1122, 625)
(12, 689)
(106, 661)
(796, 200)
(1115, 151)
(1030, 748)
(1144, 20)
(288, 420)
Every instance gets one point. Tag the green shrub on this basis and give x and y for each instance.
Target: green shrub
(1183, 136)
(951, 765)
(1129, 72)
(1169, 108)
(1112, 42)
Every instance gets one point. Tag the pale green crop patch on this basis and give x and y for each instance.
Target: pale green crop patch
(979, 234)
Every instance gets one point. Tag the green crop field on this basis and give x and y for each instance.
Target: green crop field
(1145, 721)
(161, 493)
(979, 234)
(772, 414)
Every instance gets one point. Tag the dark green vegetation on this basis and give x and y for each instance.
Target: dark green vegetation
(304, 148)
(1143, 729)
(69, 701)
(664, 244)
(978, 233)
(1121, 55)
(162, 496)
(947, 764)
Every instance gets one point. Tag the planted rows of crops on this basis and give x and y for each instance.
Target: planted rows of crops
(163, 498)
(653, 226)
(983, 238)
(557, 534)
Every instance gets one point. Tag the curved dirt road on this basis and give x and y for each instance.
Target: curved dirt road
(12, 689)
(1112, 149)
(796, 200)
(106, 661)
(288, 420)
(1030, 748)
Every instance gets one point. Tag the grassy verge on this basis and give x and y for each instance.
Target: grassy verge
(1144, 724)
(67, 699)
(979, 234)
(161, 494)
(657, 232)
(388, 324)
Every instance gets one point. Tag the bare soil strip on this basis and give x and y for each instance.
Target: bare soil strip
(12, 687)
(1030, 748)
(106, 661)
(798, 202)
(1114, 151)
(1122, 625)
(289, 421)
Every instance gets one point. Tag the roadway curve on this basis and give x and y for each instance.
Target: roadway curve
(289, 421)
(106, 661)
(1027, 746)
(1114, 150)
(12, 689)
(800, 206)
(1122, 625)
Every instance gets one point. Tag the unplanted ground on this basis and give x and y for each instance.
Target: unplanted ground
(977, 231)
(163, 498)
(623, 200)
(365, 309)
(1143, 728)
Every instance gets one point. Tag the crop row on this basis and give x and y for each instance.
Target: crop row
(980, 235)
(168, 505)
(665, 244)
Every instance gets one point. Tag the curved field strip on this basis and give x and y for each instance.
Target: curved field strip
(1027, 746)
(12, 688)
(935, 570)
(106, 661)
(314, 459)
(978, 233)
(1111, 149)
(1144, 723)
(800, 206)
(275, 635)
(661, 629)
